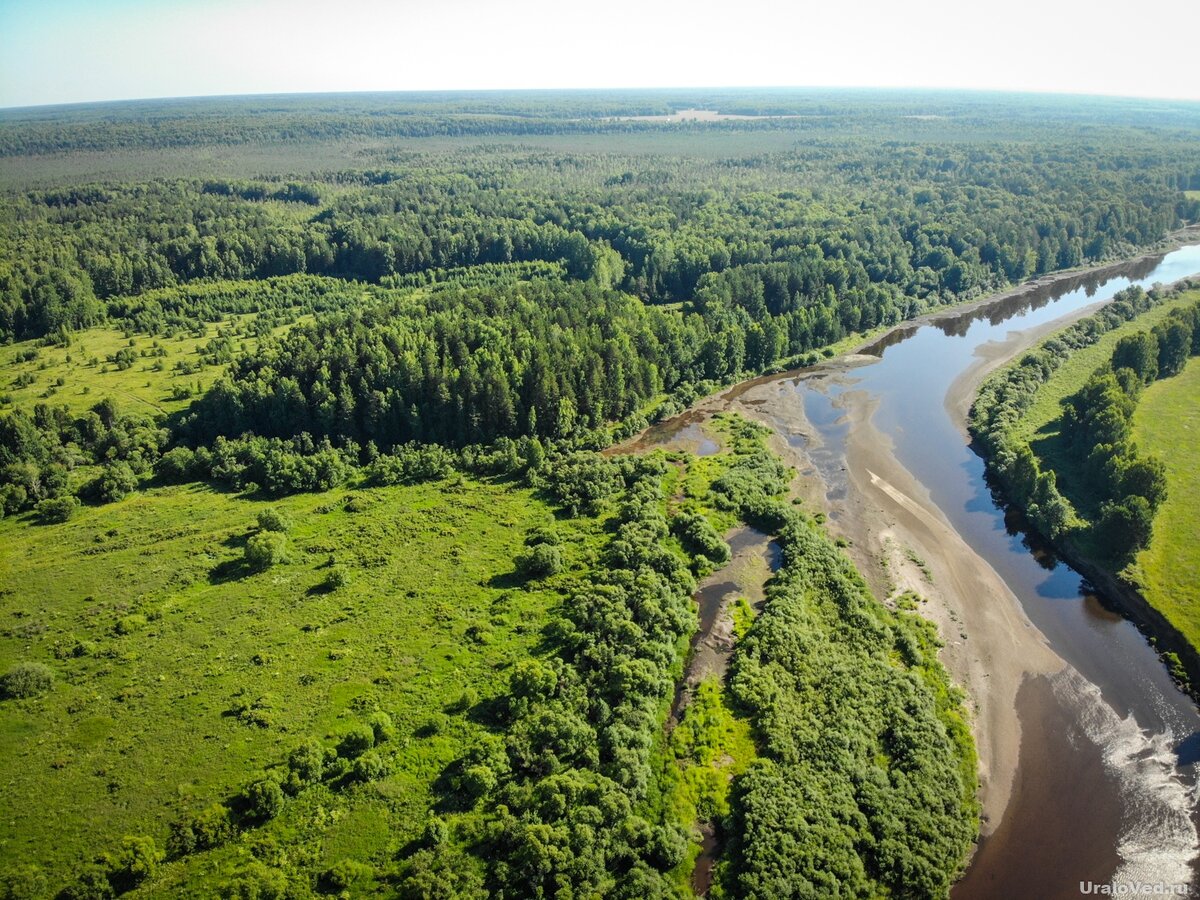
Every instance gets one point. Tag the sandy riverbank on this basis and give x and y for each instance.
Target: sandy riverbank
(901, 540)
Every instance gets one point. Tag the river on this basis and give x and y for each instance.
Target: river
(1104, 787)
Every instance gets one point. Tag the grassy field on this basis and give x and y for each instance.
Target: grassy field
(1167, 424)
(180, 674)
(1192, 195)
(83, 373)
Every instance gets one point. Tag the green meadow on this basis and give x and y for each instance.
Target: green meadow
(179, 673)
(1038, 422)
(143, 374)
(1167, 425)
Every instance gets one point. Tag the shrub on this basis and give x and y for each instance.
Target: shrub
(345, 875)
(23, 880)
(116, 481)
(465, 701)
(477, 781)
(667, 847)
(436, 832)
(412, 463)
(135, 861)
(272, 519)
(130, 623)
(307, 762)
(209, 828)
(381, 725)
(182, 464)
(543, 536)
(26, 679)
(57, 509)
(699, 538)
(264, 799)
(13, 498)
(540, 561)
(91, 884)
(336, 579)
(256, 882)
(356, 741)
(266, 549)
(369, 767)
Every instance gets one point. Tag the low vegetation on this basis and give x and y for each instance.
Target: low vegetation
(160, 687)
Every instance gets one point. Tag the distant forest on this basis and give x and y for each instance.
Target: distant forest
(522, 290)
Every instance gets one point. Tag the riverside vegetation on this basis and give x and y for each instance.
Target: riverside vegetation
(1065, 440)
(315, 580)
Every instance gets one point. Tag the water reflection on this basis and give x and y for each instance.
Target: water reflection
(1036, 297)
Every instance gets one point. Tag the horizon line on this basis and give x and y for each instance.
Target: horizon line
(898, 89)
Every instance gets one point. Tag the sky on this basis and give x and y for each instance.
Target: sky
(65, 51)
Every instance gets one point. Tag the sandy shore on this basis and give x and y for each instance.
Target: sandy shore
(898, 537)
(990, 644)
(900, 540)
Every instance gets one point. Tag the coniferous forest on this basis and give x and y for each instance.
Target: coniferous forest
(320, 574)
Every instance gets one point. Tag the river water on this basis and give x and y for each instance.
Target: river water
(1106, 788)
(1105, 743)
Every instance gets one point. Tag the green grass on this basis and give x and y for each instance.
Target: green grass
(157, 635)
(80, 375)
(1192, 195)
(1079, 366)
(710, 747)
(1167, 425)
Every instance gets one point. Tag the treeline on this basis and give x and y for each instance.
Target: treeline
(183, 308)
(40, 451)
(294, 119)
(1115, 489)
(866, 780)
(455, 366)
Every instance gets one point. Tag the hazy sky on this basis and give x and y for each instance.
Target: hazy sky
(57, 51)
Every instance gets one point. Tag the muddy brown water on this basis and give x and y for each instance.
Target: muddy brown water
(753, 557)
(1105, 790)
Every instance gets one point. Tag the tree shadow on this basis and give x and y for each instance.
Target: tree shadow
(490, 713)
(508, 581)
(449, 798)
(230, 570)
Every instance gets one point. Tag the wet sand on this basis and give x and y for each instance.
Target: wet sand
(753, 558)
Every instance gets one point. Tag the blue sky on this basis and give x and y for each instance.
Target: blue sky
(58, 51)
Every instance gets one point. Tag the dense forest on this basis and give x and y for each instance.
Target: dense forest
(442, 323)
(303, 119)
(861, 229)
(881, 802)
